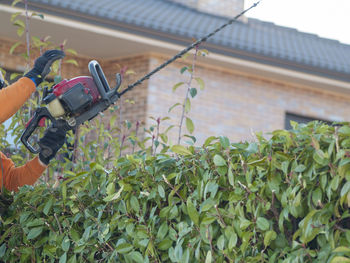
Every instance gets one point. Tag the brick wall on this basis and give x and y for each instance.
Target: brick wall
(232, 104)
(218, 7)
(235, 105)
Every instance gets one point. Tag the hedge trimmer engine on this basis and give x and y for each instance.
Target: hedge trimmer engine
(74, 101)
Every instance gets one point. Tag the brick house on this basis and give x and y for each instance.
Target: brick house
(257, 76)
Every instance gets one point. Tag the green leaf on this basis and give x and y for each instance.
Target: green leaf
(124, 248)
(344, 130)
(182, 70)
(221, 242)
(345, 189)
(232, 241)
(262, 223)
(161, 191)
(14, 16)
(48, 206)
(137, 257)
(317, 196)
(71, 51)
(207, 204)
(187, 105)
(192, 212)
(179, 149)
(244, 223)
(172, 107)
(269, 236)
(165, 244)
(113, 196)
(38, 15)
(13, 47)
(63, 258)
(19, 23)
(340, 259)
(193, 92)
(15, 75)
(15, 2)
(341, 250)
(35, 232)
(300, 168)
(72, 61)
(65, 244)
(200, 83)
(225, 142)
(189, 125)
(177, 85)
(2, 250)
(219, 161)
(20, 32)
(135, 204)
(208, 258)
(230, 176)
(162, 231)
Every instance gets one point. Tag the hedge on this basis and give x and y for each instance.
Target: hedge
(282, 199)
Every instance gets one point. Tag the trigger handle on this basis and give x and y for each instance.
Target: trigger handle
(35, 122)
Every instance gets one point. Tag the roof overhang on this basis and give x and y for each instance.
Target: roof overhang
(95, 41)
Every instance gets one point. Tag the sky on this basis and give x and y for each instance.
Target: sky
(325, 18)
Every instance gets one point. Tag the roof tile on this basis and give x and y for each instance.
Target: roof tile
(257, 37)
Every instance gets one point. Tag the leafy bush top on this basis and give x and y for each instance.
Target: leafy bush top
(285, 199)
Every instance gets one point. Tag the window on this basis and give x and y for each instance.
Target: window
(300, 119)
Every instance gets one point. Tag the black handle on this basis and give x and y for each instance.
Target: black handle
(98, 76)
(39, 114)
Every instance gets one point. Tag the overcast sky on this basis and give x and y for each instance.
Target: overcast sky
(326, 18)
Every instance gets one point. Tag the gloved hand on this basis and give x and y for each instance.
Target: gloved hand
(43, 64)
(52, 141)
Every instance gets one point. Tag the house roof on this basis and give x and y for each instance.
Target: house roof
(253, 40)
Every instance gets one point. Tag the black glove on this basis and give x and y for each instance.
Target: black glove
(43, 64)
(52, 141)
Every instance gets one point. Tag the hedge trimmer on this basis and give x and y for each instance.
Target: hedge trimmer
(80, 99)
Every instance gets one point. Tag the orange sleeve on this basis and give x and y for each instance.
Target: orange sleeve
(13, 177)
(12, 99)
(14, 96)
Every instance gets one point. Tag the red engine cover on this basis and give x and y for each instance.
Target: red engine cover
(87, 82)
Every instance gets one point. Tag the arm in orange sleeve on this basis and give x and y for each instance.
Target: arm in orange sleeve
(13, 177)
(14, 96)
(12, 99)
